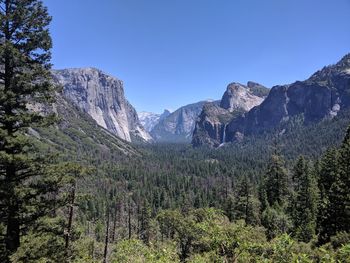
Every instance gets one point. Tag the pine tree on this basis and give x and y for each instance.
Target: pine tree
(24, 78)
(335, 180)
(328, 176)
(276, 181)
(344, 185)
(305, 201)
(245, 204)
(145, 222)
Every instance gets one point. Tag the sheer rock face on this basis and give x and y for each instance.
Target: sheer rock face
(211, 125)
(150, 119)
(179, 125)
(321, 96)
(239, 97)
(102, 97)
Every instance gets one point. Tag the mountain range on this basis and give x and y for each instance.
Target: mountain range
(243, 110)
(322, 96)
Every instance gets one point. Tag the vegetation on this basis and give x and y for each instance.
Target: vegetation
(74, 193)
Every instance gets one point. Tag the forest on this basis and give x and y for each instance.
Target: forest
(63, 198)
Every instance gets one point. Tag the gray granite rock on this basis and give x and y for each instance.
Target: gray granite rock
(102, 97)
(321, 96)
(211, 126)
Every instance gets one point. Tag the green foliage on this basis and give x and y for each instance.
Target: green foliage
(304, 205)
(184, 204)
(135, 251)
(245, 205)
(334, 184)
(27, 188)
(44, 243)
(276, 181)
(276, 221)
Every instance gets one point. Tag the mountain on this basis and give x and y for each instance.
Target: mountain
(150, 119)
(102, 97)
(210, 127)
(322, 96)
(77, 135)
(179, 125)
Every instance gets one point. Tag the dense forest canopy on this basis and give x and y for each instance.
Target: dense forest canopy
(72, 192)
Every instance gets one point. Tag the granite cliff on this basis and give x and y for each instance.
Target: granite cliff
(102, 97)
(210, 127)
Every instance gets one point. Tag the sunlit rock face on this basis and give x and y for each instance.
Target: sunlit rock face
(238, 96)
(320, 97)
(150, 119)
(211, 125)
(102, 97)
(178, 126)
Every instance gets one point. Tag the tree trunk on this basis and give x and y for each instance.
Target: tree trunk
(114, 222)
(106, 240)
(129, 220)
(70, 219)
(12, 238)
(13, 229)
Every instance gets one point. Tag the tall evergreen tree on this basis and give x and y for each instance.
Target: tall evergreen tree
(24, 78)
(276, 181)
(245, 204)
(305, 201)
(328, 176)
(336, 198)
(344, 185)
(145, 222)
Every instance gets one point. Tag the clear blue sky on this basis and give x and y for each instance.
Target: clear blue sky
(173, 52)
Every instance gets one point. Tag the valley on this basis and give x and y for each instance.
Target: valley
(254, 174)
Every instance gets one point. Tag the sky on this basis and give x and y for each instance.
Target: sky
(170, 53)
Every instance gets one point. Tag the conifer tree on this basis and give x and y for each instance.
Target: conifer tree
(245, 204)
(24, 78)
(305, 201)
(328, 175)
(145, 222)
(276, 181)
(336, 183)
(344, 184)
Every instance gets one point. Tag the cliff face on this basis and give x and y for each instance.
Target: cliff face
(179, 125)
(211, 125)
(239, 97)
(102, 97)
(321, 96)
(150, 119)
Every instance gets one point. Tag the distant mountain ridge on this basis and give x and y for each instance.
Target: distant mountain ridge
(242, 111)
(178, 126)
(102, 97)
(150, 119)
(322, 96)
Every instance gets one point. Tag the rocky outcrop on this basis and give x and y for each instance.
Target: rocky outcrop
(150, 119)
(211, 125)
(102, 97)
(239, 97)
(321, 96)
(179, 125)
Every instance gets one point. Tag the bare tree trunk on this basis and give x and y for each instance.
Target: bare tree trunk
(106, 239)
(129, 219)
(114, 222)
(70, 219)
